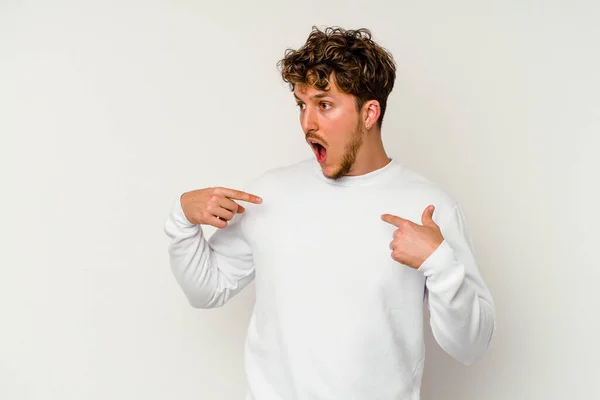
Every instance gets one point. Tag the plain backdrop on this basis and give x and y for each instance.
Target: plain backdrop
(111, 109)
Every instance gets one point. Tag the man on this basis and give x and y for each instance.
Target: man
(344, 247)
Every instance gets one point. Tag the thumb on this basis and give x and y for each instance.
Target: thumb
(427, 217)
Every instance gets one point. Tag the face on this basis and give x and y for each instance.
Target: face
(330, 118)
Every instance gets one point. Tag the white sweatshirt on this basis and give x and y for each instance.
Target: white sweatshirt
(335, 316)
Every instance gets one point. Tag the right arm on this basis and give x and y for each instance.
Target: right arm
(210, 272)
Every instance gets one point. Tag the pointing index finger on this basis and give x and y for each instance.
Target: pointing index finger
(393, 219)
(238, 195)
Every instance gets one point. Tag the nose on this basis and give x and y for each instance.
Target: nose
(308, 120)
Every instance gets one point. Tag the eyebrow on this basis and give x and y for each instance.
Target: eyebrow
(319, 95)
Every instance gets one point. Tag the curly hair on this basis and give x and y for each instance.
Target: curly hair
(360, 66)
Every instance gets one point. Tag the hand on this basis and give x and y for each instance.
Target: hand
(414, 243)
(214, 206)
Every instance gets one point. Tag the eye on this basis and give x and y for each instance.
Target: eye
(300, 106)
(325, 106)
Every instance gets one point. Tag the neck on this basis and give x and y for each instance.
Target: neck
(371, 156)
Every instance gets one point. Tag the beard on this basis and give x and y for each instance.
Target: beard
(349, 156)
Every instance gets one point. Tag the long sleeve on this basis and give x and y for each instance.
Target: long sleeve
(210, 272)
(462, 314)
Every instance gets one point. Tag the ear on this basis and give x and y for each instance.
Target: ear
(370, 114)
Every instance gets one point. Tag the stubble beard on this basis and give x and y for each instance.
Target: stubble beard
(350, 152)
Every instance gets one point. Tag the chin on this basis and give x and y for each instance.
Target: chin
(328, 169)
(331, 171)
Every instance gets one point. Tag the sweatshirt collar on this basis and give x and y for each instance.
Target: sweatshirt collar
(380, 175)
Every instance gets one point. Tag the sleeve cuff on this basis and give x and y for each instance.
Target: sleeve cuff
(440, 260)
(178, 214)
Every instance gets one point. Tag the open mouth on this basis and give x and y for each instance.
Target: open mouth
(319, 150)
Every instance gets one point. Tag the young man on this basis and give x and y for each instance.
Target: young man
(344, 247)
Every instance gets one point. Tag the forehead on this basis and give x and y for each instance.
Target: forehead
(308, 91)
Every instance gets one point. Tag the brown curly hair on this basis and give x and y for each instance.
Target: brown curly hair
(360, 66)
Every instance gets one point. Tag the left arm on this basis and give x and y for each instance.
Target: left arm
(462, 314)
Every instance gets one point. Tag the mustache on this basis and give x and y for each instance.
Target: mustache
(316, 137)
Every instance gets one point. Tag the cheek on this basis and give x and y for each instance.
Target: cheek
(339, 127)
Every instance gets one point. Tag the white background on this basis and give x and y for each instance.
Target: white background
(109, 110)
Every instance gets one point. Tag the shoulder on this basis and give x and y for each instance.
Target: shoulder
(415, 183)
(285, 174)
(413, 192)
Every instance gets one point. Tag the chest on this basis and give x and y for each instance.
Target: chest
(319, 240)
